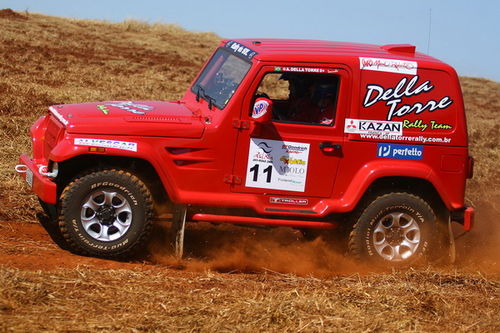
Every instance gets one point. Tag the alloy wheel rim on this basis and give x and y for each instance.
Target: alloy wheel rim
(106, 215)
(396, 237)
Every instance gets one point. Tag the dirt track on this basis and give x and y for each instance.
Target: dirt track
(45, 288)
(28, 246)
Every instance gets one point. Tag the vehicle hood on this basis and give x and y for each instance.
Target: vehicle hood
(141, 118)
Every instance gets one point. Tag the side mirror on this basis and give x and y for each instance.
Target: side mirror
(262, 110)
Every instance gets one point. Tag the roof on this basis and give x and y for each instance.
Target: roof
(319, 50)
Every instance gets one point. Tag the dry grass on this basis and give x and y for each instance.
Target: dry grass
(161, 300)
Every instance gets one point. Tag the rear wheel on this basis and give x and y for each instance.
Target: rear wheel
(106, 213)
(396, 229)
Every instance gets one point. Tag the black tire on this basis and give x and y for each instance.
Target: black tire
(395, 230)
(106, 214)
(49, 222)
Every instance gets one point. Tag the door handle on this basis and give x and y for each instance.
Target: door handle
(329, 147)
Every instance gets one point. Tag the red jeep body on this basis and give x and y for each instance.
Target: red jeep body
(398, 125)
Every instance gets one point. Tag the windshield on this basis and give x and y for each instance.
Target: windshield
(220, 78)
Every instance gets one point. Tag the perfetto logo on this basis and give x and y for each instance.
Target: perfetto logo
(401, 152)
(393, 98)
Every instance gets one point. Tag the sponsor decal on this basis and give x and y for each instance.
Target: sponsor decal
(122, 145)
(388, 65)
(404, 88)
(277, 69)
(288, 201)
(359, 126)
(240, 49)
(103, 108)
(401, 152)
(278, 165)
(303, 70)
(294, 149)
(287, 160)
(420, 138)
(59, 116)
(265, 147)
(260, 108)
(423, 126)
(132, 107)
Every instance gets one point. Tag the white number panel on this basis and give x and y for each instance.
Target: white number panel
(278, 165)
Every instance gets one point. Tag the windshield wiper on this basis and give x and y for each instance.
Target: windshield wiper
(200, 92)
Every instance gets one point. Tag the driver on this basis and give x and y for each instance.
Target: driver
(318, 106)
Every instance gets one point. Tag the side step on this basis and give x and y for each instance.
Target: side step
(245, 220)
(180, 216)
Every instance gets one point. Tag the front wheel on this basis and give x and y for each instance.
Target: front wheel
(106, 213)
(396, 229)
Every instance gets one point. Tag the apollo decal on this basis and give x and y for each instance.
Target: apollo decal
(388, 65)
(122, 145)
(362, 126)
(404, 88)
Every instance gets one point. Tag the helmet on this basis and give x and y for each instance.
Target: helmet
(324, 90)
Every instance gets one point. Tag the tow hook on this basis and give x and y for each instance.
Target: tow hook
(42, 169)
(21, 168)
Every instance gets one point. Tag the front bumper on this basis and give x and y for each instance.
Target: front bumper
(41, 185)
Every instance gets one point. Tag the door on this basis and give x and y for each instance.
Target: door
(298, 152)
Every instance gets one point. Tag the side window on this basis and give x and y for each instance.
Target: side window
(301, 97)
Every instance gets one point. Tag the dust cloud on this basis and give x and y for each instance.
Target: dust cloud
(233, 249)
(479, 249)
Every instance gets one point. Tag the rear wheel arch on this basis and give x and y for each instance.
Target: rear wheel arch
(412, 185)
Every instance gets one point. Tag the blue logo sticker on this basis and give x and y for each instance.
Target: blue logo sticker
(401, 152)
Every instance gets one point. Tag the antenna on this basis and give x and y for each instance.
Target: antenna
(430, 26)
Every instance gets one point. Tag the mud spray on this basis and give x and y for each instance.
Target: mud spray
(232, 249)
(479, 249)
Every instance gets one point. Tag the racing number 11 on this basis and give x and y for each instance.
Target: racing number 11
(268, 171)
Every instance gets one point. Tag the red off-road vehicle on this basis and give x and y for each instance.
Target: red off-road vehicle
(304, 134)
